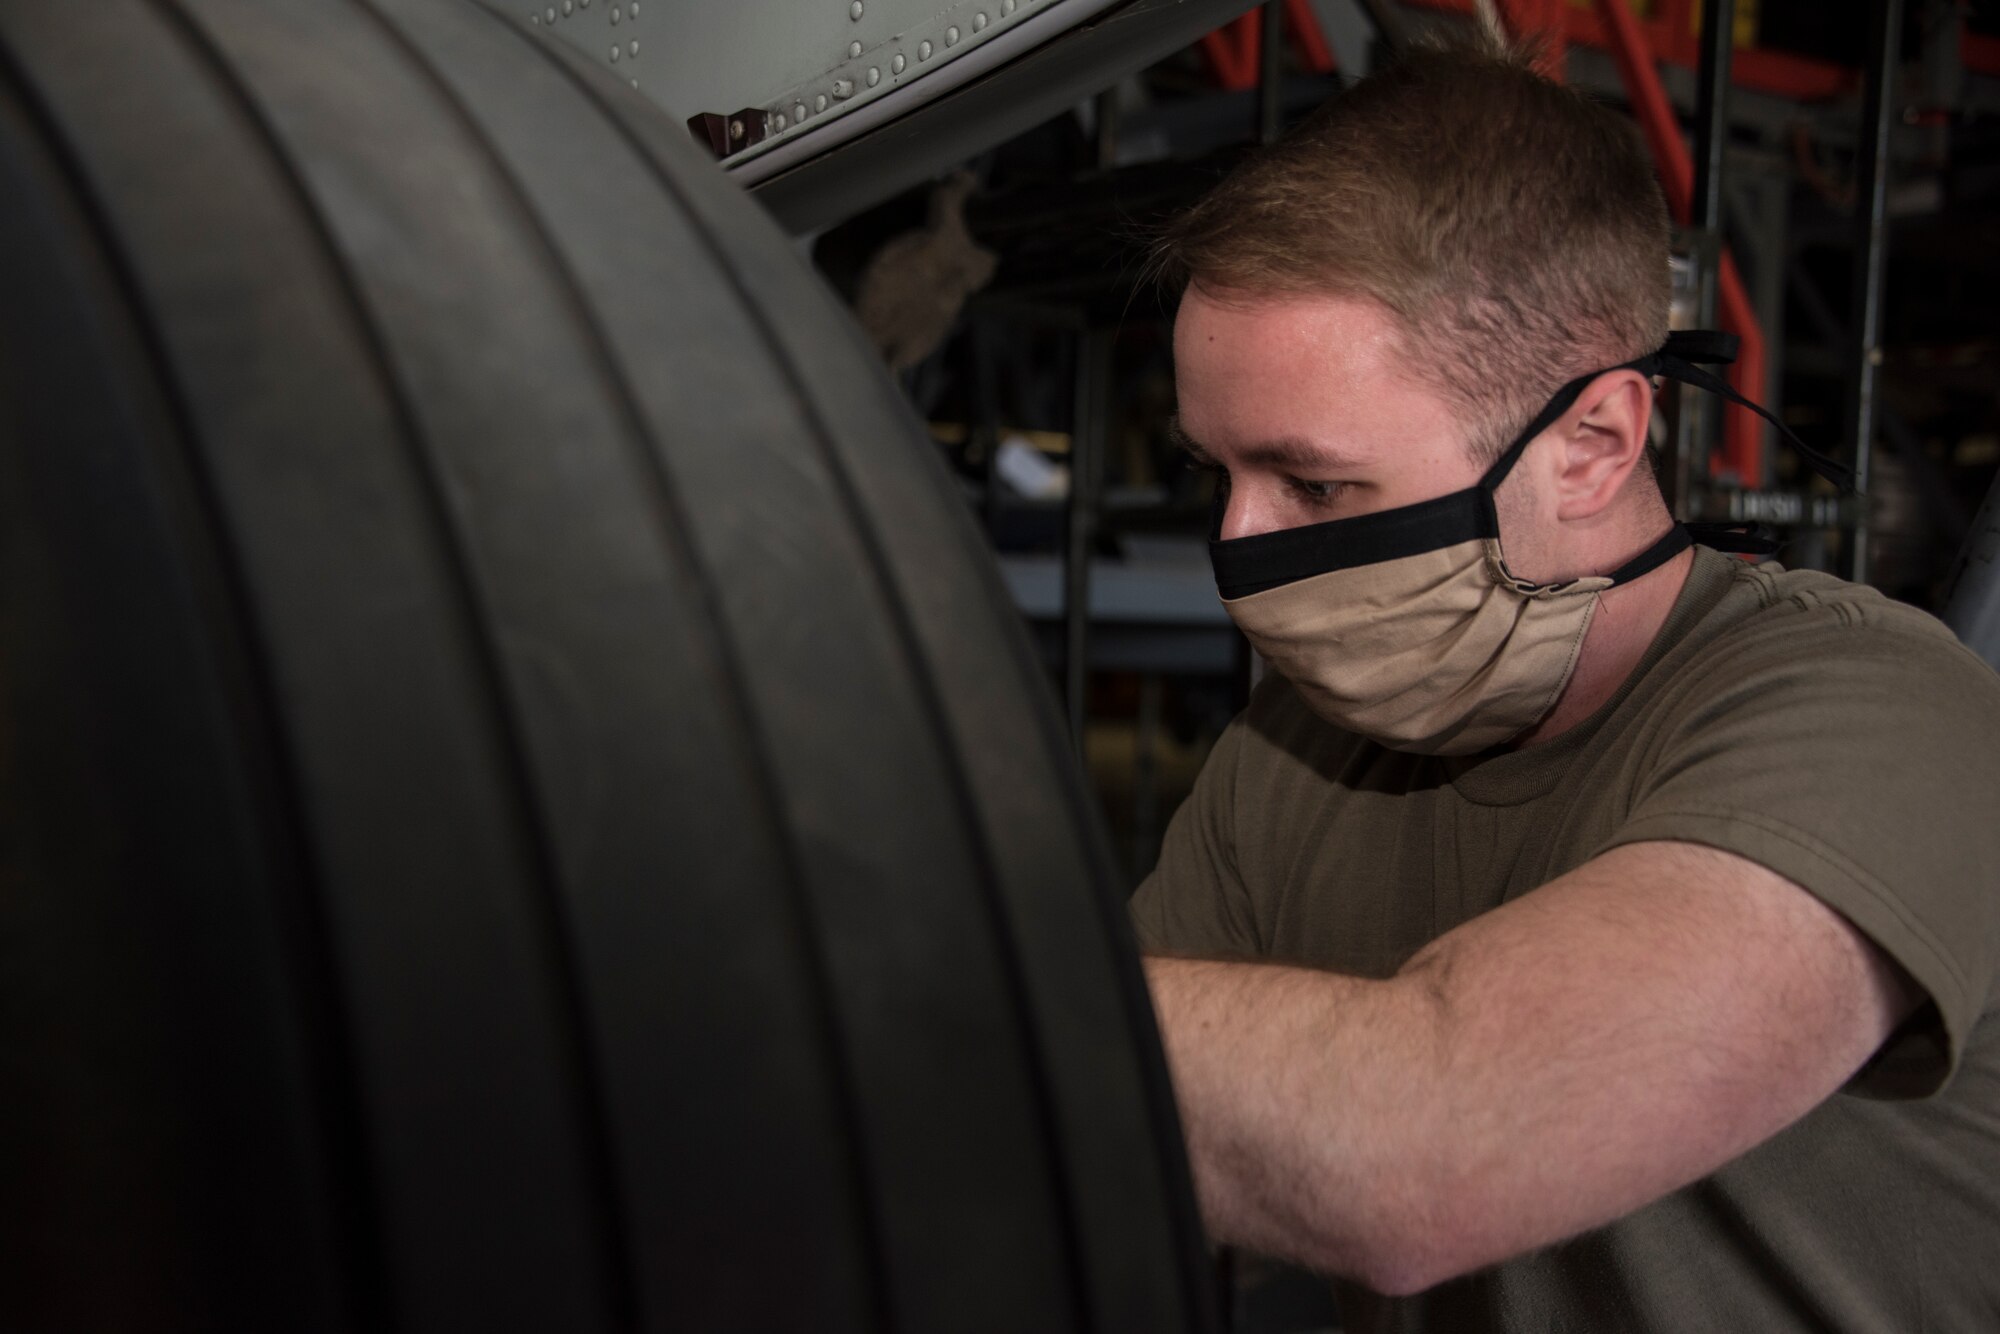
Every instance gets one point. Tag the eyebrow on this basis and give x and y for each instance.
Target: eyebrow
(1290, 452)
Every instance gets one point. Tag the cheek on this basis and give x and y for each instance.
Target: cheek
(1524, 527)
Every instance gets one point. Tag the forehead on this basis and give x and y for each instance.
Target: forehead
(1288, 326)
(1314, 367)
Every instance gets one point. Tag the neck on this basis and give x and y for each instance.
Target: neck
(1627, 620)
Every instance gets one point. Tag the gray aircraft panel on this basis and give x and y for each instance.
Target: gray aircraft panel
(807, 65)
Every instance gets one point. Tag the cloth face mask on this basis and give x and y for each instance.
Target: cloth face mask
(1407, 627)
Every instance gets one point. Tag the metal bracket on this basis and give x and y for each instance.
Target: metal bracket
(724, 135)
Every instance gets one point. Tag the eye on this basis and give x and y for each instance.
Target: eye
(1318, 493)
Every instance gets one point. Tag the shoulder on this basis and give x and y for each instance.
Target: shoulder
(1845, 742)
(1792, 669)
(1772, 599)
(1817, 595)
(1777, 630)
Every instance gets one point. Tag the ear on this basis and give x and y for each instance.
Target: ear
(1603, 438)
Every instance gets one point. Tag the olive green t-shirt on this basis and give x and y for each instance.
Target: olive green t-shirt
(1844, 741)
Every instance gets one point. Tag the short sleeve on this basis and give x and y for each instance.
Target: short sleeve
(1853, 748)
(1194, 902)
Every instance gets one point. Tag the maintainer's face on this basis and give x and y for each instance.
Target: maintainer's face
(1304, 403)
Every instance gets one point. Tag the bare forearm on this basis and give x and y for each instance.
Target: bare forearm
(1304, 1096)
(1402, 1132)
(1542, 1070)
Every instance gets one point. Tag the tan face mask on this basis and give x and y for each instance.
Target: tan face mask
(1441, 653)
(1406, 625)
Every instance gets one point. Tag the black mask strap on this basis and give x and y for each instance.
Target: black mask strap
(1676, 361)
(1565, 398)
(1248, 565)
(1671, 544)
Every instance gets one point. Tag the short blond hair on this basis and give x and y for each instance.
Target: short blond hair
(1513, 227)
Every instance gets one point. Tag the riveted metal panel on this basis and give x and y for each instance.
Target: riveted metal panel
(803, 64)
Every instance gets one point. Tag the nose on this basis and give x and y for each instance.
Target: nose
(1243, 515)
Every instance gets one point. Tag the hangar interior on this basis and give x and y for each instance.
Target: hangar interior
(1830, 172)
(1834, 172)
(675, 877)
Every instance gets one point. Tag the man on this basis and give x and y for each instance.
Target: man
(1577, 931)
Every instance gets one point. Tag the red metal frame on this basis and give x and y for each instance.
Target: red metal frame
(1670, 36)
(1231, 50)
(1980, 54)
(1742, 432)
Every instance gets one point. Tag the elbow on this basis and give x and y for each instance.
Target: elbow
(1376, 1260)
(1405, 1272)
(1402, 1267)
(1412, 1243)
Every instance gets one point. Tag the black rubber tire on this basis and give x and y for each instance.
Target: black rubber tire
(525, 805)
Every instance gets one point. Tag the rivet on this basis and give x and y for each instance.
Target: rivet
(854, 10)
(633, 9)
(874, 75)
(614, 55)
(896, 65)
(819, 103)
(798, 111)
(736, 129)
(632, 48)
(979, 21)
(778, 121)
(635, 83)
(614, 13)
(535, 19)
(549, 14)
(1006, 7)
(923, 50)
(951, 36)
(583, 4)
(569, 7)
(853, 50)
